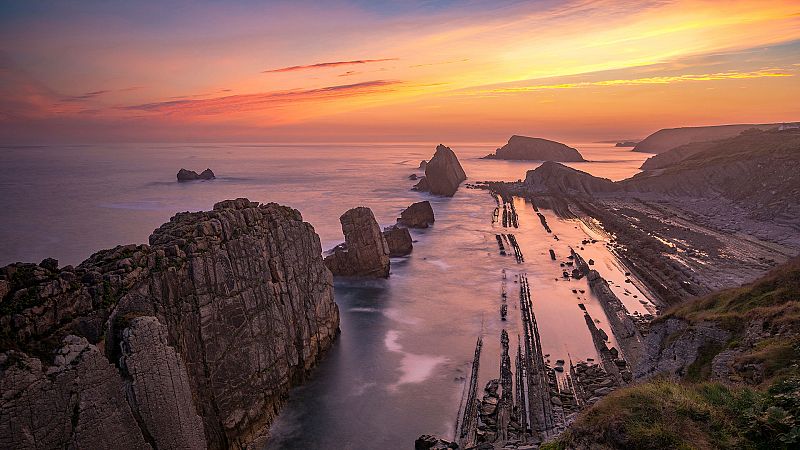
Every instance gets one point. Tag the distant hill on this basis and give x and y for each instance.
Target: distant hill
(668, 138)
(524, 148)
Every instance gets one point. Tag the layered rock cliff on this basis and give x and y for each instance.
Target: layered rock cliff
(668, 138)
(443, 173)
(526, 148)
(364, 252)
(192, 341)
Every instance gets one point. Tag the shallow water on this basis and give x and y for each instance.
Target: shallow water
(398, 368)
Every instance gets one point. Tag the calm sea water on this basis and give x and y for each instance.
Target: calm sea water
(398, 369)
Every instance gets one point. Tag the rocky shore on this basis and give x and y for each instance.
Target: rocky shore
(191, 341)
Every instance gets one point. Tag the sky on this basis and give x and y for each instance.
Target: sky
(374, 71)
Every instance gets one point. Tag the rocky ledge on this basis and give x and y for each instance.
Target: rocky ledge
(443, 173)
(192, 341)
(524, 148)
(191, 175)
(364, 252)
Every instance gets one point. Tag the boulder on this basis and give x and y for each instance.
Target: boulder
(399, 240)
(365, 252)
(418, 215)
(191, 175)
(443, 173)
(524, 148)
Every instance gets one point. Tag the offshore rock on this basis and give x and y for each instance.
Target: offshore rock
(365, 252)
(443, 173)
(418, 215)
(524, 148)
(399, 240)
(191, 175)
(192, 341)
(552, 177)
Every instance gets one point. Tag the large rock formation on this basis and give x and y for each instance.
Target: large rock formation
(443, 173)
(418, 215)
(525, 148)
(668, 138)
(192, 341)
(364, 252)
(191, 175)
(555, 177)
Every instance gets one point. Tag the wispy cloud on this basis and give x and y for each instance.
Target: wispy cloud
(642, 81)
(86, 96)
(326, 65)
(264, 100)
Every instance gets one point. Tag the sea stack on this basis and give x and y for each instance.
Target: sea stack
(418, 215)
(524, 148)
(443, 173)
(399, 240)
(191, 175)
(192, 341)
(364, 252)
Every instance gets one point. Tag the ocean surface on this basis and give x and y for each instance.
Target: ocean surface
(398, 369)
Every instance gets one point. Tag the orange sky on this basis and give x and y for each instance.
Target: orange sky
(369, 71)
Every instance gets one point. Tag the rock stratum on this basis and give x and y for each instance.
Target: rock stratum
(365, 252)
(524, 148)
(669, 138)
(192, 341)
(443, 173)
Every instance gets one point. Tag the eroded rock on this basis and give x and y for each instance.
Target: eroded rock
(418, 215)
(365, 252)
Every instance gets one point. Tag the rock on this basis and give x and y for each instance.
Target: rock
(423, 164)
(191, 175)
(443, 173)
(413, 176)
(49, 264)
(525, 148)
(554, 177)
(668, 138)
(365, 252)
(399, 240)
(422, 185)
(428, 442)
(418, 215)
(192, 341)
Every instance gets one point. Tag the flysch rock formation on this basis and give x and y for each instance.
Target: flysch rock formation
(668, 138)
(443, 173)
(524, 148)
(364, 252)
(555, 177)
(192, 341)
(191, 175)
(418, 215)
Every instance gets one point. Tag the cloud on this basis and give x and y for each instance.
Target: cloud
(643, 81)
(325, 65)
(263, 100)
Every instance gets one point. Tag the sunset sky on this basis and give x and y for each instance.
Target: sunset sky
(361, 70)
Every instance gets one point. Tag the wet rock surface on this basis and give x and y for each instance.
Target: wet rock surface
(418, 215)
(364, 252)
(443, 173)
(191, 341)
(191, 175)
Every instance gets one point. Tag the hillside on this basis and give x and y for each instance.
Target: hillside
(736, 383)
(668, 138)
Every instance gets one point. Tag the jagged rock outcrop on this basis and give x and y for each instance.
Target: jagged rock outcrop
(191, 175)
(399, 240)
(364, 252)
(423, 164)
(668, 138)
(558, 178)
(526, 148)
(443, 173)
(418, 215)
(191, 341)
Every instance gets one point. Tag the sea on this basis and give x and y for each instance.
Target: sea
(400, 365)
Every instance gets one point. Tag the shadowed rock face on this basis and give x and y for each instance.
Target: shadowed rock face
(399, 240)
(191, 175)
(364, 252)
(525, 148)
(555, 177)
(443, 173)
(418, 215)
(191, 341)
